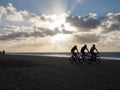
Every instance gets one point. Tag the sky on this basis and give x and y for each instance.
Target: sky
(58, 25)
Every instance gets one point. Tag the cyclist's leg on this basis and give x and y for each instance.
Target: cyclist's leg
(74, 55)
(95, 55)
(92, 55)
(83, 56)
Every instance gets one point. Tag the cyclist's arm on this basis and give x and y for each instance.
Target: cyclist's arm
(87, 49)
(97, 50)
(77, 51)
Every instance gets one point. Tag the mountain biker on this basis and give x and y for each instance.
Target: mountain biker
(73, 51)
(83, 51)
(93, 48)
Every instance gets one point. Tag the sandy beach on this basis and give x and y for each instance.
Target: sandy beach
(56, 73)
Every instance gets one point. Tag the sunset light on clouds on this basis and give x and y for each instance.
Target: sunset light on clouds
(56, 25)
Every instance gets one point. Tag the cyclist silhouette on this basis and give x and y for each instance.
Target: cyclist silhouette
(73, 51)
(83, 51)
(93, 48)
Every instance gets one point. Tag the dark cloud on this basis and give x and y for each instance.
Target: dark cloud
(111, 28)
(112, 23)
(48, 32)
(115, 26)
(114, 17)
(85, 22)
(21, 35)
(35, 32)
(13, 35)
(108, 23)
(86, 38)
(64, 31)
(67, 32)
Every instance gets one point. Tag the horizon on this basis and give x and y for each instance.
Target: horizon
(54, 52)
(58, 25)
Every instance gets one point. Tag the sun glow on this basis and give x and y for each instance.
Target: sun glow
(55, 18)
(57, 21)
(60, 37)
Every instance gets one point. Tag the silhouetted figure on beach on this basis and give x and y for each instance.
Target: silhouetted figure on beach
(74, 51)
(83, 51)
(3, 52)
(0, 53)
(92, 51)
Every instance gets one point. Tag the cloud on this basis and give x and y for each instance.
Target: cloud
(111, 39)
(12, 27)
(114, 17)
(13, 15)
(24, 13)
(108, 23)
(36, 32)
(66, 31)
(3, 12)
(86, 38)
(112, 23)
(63, 31)
(84, 23)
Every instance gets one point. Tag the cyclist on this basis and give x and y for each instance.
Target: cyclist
(73, 51)
(93, 48)
(83, 51)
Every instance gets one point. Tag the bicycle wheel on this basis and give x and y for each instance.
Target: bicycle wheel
(71, 59)
(97, 60)
(80, 60)
(76, 60)
(88, 60)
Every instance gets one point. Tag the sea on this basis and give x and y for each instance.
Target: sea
(103, 55)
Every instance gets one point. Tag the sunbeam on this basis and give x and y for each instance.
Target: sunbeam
(75, 4)
(58, 6)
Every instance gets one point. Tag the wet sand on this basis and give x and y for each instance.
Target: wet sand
(56, 73)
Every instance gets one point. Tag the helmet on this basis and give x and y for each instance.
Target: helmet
(85, 45)
(93, 45)
(75, 46)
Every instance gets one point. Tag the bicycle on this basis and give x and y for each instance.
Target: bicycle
(95, 58)
(88, 59)
(77, 59)
(74, 59)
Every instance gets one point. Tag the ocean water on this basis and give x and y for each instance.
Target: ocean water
(110, 55)
(103, 55)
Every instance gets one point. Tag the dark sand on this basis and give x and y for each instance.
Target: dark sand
(55, 73)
